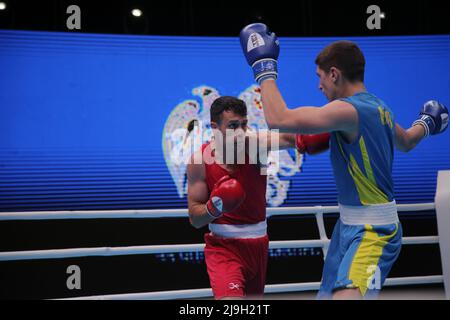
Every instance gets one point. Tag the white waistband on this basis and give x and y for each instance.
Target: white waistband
(240, 231)
(377, 214)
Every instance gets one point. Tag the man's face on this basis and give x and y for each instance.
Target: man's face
(233, 125)
(327, 83)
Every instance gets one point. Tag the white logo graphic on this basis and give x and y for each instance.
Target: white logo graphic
(233, 286)
(254, 41)
(74, 281)
(188, 127)
(73, 21)
(374, 280)
(374, 21)
(218, 204)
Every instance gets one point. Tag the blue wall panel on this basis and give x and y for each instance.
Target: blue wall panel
(82, 115)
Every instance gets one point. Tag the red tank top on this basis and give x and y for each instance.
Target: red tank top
(253, 209)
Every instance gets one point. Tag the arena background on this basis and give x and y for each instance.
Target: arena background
(82, 119)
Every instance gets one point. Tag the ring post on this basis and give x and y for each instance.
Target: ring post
(443, 221)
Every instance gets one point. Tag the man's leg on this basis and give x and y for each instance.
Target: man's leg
(367, 261)
(256, 268)
(347, 294)
(224, 268)
(331, 266)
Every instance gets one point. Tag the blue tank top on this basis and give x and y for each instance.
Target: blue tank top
(363, 169)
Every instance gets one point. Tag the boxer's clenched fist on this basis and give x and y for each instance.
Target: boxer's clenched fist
(226, 196)
(261, 49)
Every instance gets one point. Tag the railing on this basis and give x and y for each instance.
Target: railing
(317, 211)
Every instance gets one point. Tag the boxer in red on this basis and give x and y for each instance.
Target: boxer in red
(231, 198)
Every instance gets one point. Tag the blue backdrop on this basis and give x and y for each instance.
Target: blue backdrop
(82, 115)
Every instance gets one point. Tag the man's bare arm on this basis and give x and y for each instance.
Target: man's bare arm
(265, 141)
(335, 116)
(406, 140)
(287, 141)
(198, 195)
(272, 140)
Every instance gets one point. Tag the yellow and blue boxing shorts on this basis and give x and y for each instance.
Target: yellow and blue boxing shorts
(360, 256)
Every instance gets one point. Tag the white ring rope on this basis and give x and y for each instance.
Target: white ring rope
(133, 250)
(271, 288)
(176, 248)
(176, 213)
(318, 211)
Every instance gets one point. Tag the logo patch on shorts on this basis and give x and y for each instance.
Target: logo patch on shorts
(255, 41)
(233, 286)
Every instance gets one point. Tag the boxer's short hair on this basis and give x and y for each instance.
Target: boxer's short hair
(227, 103)
(345, 56)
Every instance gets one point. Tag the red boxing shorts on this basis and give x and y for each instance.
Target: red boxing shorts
(236, 267)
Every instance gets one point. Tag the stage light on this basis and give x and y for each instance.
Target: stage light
(2, 6)
(136, 12)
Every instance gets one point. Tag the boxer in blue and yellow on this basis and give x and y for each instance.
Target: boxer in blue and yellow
(367, 238)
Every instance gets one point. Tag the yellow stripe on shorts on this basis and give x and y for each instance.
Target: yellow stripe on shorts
(367, 257)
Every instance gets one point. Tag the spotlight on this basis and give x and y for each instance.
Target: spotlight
(2, 5)
(135, 21)
(136, 12)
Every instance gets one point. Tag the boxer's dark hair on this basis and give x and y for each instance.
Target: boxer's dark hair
(345, 56)
(227, 103)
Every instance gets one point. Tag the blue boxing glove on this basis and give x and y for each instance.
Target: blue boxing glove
(433, 118)
(261, 49)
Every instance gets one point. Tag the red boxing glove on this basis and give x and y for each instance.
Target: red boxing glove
(226, 196)
(312, 143)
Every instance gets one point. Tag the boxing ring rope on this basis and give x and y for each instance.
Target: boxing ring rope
(274, 288)
(176, 213)
(318, 211)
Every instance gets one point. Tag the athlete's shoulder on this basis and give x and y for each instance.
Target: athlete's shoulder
(342, 102)
(342, 107)
(341, 115)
